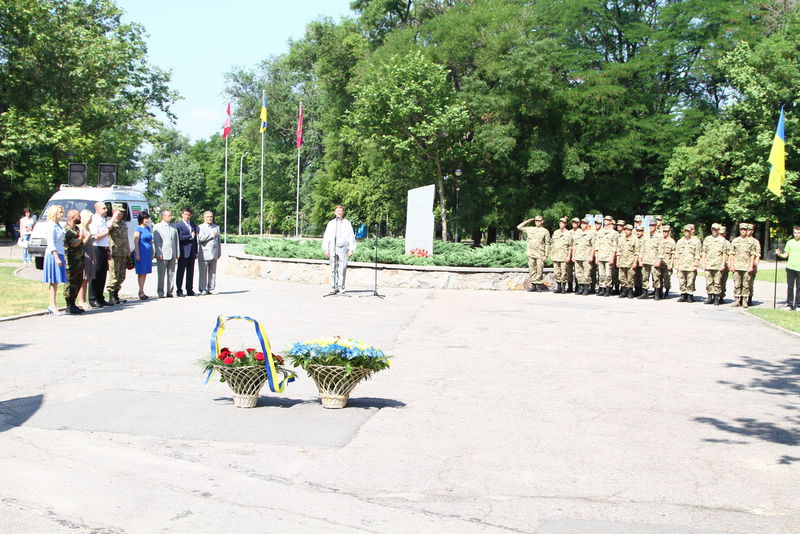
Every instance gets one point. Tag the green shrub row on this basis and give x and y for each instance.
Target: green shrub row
(391, 250)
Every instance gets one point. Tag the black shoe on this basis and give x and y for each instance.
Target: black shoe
(750, 300)
(623, 292)
(72, 309)
(537, 288)
(657, 294)
(112, 298)
(717, 300)
(180, 293)
(94, 304)
(531, 289)
(559, 287)
(644, 295)
(689, 298)
(569, 288)
(683, 297)
(709, 299)
(631, 292)
(103, 303)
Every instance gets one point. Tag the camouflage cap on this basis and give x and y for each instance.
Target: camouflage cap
(628, 227)
(538, 218)
(586, 221)
(688, 228)
(659, 218)
(562, 219)
(637, 218)
(723, 228)
(608, 218)
(621, 222)
(117, 206)
(640, 228)
(715, 226)
(745, 226)
(576, 219)
(665, 228)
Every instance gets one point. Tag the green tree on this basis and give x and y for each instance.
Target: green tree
(183, 184)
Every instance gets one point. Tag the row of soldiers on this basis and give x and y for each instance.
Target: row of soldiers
(608, 257)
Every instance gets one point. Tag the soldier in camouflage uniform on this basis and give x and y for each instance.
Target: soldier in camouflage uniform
(715, 251)
(637, 271)
(723, 233)
(666, 259)
(598, 225)
(614, 268)
(740, 262)
(626, 259)
(73, 243)
(752, 275)
(606, 245)
(538, 247)
(687, 259)
(120, 252)
(561, 246)
(647, 260)
(571, 282)
(582, 254)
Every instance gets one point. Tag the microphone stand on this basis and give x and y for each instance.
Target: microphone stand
(375, 268)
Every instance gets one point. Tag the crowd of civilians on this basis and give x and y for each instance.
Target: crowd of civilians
(91, 254)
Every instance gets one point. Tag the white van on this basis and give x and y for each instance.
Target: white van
(83, 198)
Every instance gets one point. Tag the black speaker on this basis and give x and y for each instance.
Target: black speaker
(76, 175)
(108, 175)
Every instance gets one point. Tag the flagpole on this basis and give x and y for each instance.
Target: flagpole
(297, 200)
(225, 223)
(261, 211)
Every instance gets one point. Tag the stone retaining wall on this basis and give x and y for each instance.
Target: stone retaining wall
(362, 275)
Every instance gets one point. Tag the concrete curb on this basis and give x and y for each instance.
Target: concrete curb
(770, 323)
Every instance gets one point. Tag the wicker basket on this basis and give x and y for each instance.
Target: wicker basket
(245, 382)
(335, 384)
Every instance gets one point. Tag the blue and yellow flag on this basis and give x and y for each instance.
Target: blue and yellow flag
(264, 112)
(777, 157)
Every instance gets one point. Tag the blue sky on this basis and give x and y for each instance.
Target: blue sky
(201, 40)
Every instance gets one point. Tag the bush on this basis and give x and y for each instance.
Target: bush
(392, 250)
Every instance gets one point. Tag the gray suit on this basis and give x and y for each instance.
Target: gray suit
(165, 242)
(208, 252)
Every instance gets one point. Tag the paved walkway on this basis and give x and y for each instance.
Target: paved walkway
(503, 412)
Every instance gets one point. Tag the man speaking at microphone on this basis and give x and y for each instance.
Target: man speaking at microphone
(339, 243)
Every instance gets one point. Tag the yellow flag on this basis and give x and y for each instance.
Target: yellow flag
(777, 157)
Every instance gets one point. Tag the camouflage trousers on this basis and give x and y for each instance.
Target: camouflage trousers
(753, 280)
(637, 277)
(741, 284)
(686, 281)
(117, 267)
(560, 271)
(723, 281)
(603, 273)
(649, 271)
(582, 268)
(713, 281)
(614, 276)
(593, 274)
(626, 276)
(664, 276)
(570, 272)
(536, 266)
(74, 278)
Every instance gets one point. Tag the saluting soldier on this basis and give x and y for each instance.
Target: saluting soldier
(73, 243)
(583, 242)
(723, 233)
(606, 246)
(538, 246)
(120, 252)
(626, 260)
(666, 259)
(614, 268)
(561, 246)
(715, 250)
(647, 259)
(571, 283)
(687, 259)
(752, 275)
(740, 262)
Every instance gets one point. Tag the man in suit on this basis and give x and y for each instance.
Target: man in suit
(165, 241)
(187, 239)
(209, 250)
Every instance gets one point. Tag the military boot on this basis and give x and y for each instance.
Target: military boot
(112, 298)
(644, 295)
(709, 299)
(569, 287)
(657, 294)
(683, 297)
(717, 300)
(72, 309)
(746, 302)
(689, 298)
(750, 300)
(737, 301)
(585, 289)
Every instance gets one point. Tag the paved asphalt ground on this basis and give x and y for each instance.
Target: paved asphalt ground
(502, 412)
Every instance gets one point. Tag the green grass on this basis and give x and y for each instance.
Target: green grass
(23, 296)
(10, 261)
(789, 320)
(769, 276)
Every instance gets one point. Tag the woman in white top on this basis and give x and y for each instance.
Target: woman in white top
(55, 266)
(25, 230)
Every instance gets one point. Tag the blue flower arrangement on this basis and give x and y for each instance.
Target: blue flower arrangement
(340, 352)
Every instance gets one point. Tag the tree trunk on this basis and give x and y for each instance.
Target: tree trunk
(442, 198)
(491, 236)
(476, 237)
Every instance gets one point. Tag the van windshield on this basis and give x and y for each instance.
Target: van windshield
(83, 204)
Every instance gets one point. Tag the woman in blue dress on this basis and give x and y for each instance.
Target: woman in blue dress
(143, 251)
(55, 266)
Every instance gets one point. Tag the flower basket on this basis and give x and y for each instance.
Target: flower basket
(335, 384)
(245, 383)
(246, 371)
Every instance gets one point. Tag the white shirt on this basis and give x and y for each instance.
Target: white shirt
(339, 234)
(26, 225)
(99, 225)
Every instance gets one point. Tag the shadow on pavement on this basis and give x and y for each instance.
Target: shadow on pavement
(276, 402)
(14, 412)
(11, 346)
(780, 378)
(372, 402)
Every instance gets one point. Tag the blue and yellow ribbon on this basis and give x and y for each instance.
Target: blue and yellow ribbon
(269, 361)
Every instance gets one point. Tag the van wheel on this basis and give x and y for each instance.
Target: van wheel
(39, 262)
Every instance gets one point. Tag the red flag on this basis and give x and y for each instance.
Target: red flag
(300, 127)
(227, 130)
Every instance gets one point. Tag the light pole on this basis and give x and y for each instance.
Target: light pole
(458, 187)
(241, 162)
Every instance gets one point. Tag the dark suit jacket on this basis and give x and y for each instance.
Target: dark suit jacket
(188, 243)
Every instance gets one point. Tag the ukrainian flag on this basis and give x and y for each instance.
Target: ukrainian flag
(777, 157)
(264, 112)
